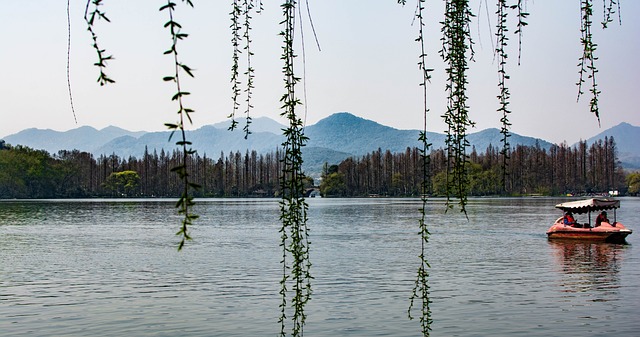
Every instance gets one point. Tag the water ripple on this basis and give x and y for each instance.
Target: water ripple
(110, 268)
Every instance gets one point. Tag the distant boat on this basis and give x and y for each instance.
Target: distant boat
(605, 231)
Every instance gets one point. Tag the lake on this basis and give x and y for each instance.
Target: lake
(110, 268)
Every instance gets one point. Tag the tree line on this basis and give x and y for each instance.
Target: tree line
(582, 169)
(531, 170)
(29, 173)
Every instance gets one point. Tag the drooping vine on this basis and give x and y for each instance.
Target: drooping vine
(185, 202)
(236, 11)
(609, 11)
(588, 58)
(421, 287)
(73, 110)
(91, 18)
(250, 72)
(457, 50)
(504, 95)
(293, 207)
(241, 15)
(522, 17)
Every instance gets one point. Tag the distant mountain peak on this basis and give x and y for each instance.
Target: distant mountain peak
(258, 124)
(112, 128)
(624, 124)
(344, 115)
(84, 128)
(344, 122)
(627, 138)
(331, 139)
(345, 118)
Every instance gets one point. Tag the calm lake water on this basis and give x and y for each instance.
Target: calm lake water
(110, 268)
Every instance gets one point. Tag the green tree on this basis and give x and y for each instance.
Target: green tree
(124, 183)
(333, 185)
(439, 184)
(484, 181)
(633, 183)
(12, 184)
(28, 173)
(397, 184)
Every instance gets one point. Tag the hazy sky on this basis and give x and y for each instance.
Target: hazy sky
(367, 66)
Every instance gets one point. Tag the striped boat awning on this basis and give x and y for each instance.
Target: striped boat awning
(588, 205)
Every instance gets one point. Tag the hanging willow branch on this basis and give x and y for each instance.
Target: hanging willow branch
(609, 11)
(235, 66)
(504, 95)
(73, 110)
(293, 207)
(456, 44)
(421, 287)
(250, 72)
(241, 15)
(522, 17)
(185, 203)
(588, 58)
(90, 18)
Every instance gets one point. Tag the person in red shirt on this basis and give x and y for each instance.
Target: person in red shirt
(569, 220)
(602, 217)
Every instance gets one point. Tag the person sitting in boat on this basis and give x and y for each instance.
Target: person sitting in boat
(569, 220)
(602, 217)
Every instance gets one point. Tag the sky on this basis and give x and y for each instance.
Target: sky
(366, 65)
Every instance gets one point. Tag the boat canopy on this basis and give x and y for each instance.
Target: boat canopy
(589, 205)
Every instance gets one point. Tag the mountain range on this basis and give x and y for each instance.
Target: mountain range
(331, 140)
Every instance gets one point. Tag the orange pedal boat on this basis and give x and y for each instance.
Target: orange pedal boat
(606, 231)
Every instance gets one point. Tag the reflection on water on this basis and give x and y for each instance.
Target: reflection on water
(589, 266)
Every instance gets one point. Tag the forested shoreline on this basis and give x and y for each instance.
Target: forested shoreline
(532, 170)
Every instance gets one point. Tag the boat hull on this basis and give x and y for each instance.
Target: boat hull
(615, 233)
